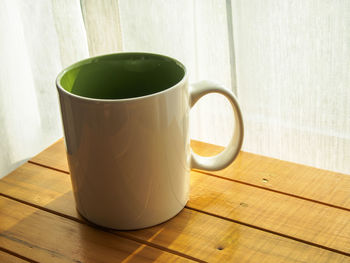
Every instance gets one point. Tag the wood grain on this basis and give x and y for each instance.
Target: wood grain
(324, 225)
(8, 258)
(193, 233)
(45, 237)
(283, 214)
(295, 179)
(286, 177)
(54, 156)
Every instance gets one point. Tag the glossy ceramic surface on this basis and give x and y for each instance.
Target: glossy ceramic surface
(130, 158)
(122, 76)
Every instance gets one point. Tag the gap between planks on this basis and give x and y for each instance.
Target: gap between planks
(144, 242)
(283, 177)
(272, 232)
(299, 195)
(252, 185)
(188, 207)
(227, 179)
(17, 256)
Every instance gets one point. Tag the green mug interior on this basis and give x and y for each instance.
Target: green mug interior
(121, 76)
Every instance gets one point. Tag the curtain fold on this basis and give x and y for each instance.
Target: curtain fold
(196, 33)
(37, 40)
(102, 23)
(293, 78)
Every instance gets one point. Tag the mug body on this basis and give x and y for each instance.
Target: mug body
(129, 158)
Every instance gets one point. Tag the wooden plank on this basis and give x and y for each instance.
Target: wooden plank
(315, 223)
(295, 179)
(290, 178)
(54, 156)
(45, 237)
(8, 258)
(278, 208)
(192, 233)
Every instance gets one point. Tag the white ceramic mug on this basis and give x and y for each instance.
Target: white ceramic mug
(126, 126)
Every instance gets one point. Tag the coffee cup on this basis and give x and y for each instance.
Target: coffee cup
(126, 127)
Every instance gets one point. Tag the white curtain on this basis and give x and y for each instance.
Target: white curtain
(37, 39)
(287, 61)
(293, 79)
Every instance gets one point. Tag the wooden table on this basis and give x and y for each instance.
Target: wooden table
(257, 210)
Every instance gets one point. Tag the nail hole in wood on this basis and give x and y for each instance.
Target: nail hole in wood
(243, 204)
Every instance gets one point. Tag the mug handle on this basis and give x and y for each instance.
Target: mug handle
(227, 156)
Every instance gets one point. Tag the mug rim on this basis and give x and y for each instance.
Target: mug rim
(87, 60)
